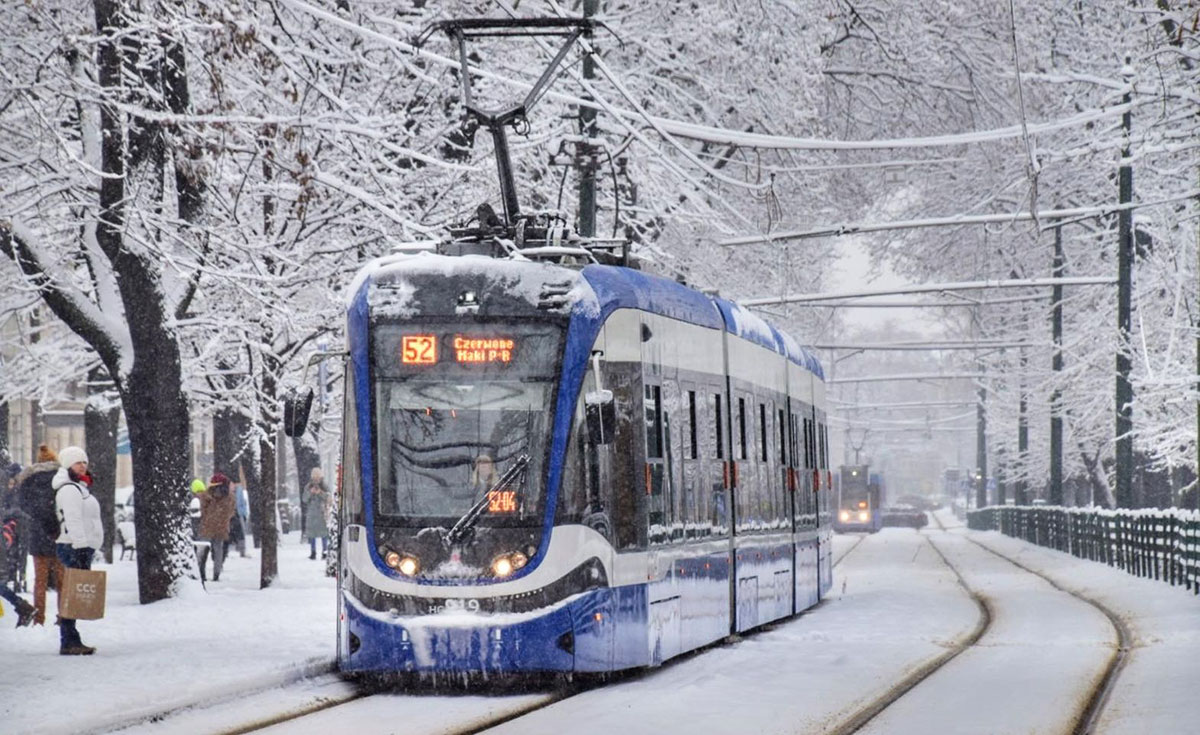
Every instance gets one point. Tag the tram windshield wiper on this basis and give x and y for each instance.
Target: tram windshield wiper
(464, 525)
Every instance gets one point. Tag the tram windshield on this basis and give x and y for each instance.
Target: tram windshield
(448, 436)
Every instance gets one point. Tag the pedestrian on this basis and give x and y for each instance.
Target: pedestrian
(243, 515)
(10, 509)
(10, 519)
(80, 533)
(35, 493)
(317, 495)
(217, 507)
(237, 533)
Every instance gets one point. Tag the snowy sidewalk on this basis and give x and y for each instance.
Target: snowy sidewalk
(199, 647)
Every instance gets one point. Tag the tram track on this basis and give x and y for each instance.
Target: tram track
(470, 722)
(1084, 723)
(844, 554)
(1089, 715)
(865, 714)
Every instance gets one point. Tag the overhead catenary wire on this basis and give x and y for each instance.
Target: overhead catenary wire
(952, 221)
(712, 134)
(934, 288)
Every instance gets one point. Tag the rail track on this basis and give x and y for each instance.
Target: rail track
(1086, 719)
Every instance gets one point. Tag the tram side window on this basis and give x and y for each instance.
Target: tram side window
(717, 423)
(762, 432)
(351, 491)
(693, 448)
(654, 448)
(742, 428)
(824, 458)
(673, 452)
(807, 447)
(782, 440)
(794, 445)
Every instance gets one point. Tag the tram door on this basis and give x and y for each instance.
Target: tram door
(660, 405)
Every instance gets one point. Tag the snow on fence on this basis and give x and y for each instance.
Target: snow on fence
(1156, 544)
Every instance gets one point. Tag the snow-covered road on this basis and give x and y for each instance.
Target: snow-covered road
(895, 608)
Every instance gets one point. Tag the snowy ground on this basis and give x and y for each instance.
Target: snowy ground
(895, 606)
(151, 658)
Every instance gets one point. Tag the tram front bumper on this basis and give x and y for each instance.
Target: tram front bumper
(457, 641)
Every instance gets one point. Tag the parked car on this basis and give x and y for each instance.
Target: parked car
(123, 504)
(904, 516)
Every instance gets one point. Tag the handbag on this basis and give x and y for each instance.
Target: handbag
(81, 596)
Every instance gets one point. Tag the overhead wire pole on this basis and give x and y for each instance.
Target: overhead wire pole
(1124, 389)
(1056, 365)
(586, 151)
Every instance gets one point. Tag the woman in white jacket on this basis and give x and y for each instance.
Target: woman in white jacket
(81, 532)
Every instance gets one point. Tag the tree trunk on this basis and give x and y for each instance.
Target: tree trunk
(266, 509)
(101, 419)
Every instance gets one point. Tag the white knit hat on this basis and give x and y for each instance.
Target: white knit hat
(71, 455)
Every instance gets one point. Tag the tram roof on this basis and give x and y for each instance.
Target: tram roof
(612, 288)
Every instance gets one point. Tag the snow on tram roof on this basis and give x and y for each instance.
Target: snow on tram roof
(596, 290)
(625, 288)
(524, 279)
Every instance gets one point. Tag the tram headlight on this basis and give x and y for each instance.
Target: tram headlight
(406, 564)
(409, 566)
(506, 564)
(844, 516)
(863, 516)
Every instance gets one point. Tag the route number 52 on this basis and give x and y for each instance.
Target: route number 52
(418, 349)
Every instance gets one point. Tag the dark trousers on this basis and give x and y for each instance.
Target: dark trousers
(71, 558)
(11, 596)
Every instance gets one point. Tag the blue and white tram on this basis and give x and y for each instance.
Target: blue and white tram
(550, 469)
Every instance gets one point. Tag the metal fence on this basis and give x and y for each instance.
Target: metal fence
(1156, 544)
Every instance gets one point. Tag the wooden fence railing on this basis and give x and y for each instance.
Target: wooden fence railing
(1156, 544)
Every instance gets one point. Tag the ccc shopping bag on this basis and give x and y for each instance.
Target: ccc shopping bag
(82, 595)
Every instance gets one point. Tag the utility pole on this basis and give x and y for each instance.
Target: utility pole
(1021, 486)
(981, 499)
(1056, 365)
(1124, 389)
(587, 151)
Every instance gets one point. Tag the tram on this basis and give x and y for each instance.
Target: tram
(553, 469)
(556, 462)
(859, 500)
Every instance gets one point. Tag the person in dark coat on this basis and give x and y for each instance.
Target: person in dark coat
(36, 498)
(12, 523)
(217, 506)
(8, 538)
(317, 499)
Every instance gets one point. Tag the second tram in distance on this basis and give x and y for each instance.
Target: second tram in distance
(553, 469)
(859, 500)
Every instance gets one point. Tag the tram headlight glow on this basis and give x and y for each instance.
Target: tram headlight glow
(506, 564)
(844, 516)
(409, 566)
(406, 564)
(863, 516)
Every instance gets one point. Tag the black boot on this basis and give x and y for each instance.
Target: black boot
(25, 613)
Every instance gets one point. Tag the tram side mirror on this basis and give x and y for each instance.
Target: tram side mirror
(601, 415)
(296, 407)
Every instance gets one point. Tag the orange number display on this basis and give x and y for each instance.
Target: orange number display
(418, 349)
(502, 501)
